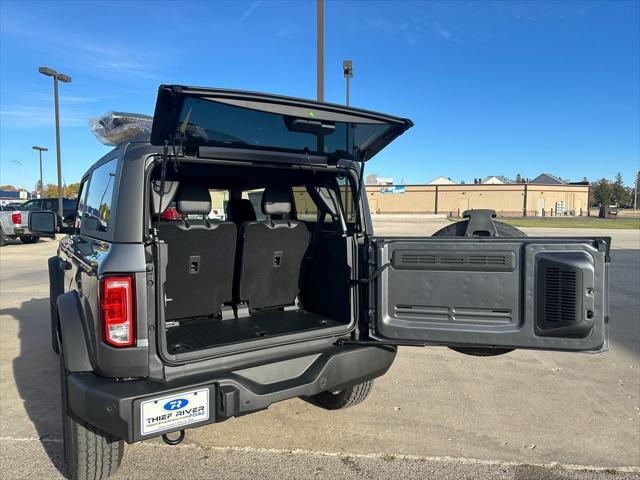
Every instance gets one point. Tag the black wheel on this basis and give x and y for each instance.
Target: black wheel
(344, 398)
(89, 453)
(32, 239)
(3, 239)
(458, 229)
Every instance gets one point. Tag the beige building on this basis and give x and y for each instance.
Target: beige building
(513, 199)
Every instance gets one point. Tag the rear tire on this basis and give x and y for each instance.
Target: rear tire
(33, 239)
(458, 229)
(89, 453)
(344, 398)
(3, 239)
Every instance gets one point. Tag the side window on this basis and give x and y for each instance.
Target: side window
(346, 195)
(50, 204)
(30, 205)
(219, 200)
(97, 209)
(82, 196)
(306, 208)
(255, 197)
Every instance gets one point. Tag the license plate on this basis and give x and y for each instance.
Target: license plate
(180, 409)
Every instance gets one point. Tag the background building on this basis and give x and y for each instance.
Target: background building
(508, 199)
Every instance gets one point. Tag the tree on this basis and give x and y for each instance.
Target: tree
(619, 193)
(72, 190)
(518, 178)
(601, 192)
(8, 187)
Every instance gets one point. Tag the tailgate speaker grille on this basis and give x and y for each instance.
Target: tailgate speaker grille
(494, 261)
(560, 291)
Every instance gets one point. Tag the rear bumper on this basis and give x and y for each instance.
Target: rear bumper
(114, 406)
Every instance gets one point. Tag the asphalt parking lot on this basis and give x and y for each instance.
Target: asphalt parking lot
(436, 414)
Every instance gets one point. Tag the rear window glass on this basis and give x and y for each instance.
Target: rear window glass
(217, 124)
(97, 210)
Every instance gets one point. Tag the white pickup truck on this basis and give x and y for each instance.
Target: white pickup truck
(15, 224)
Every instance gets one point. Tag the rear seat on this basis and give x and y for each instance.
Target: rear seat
(271, 254)
(201, 258)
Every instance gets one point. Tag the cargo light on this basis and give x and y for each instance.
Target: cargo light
(116, 310)
(16, 218)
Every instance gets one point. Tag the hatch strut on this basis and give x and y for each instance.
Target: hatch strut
(358, 157)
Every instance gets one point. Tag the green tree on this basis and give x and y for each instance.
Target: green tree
(601, 192)
(518, 178)
(619, 194)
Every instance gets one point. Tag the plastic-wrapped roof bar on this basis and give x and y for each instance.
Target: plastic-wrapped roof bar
(115, 128)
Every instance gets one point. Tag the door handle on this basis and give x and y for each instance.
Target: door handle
(64, 265)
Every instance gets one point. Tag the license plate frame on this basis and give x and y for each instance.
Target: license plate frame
(174, 411)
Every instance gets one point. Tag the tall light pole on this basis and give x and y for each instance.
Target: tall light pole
(40, 150)
(347, 69)
(21, 168)
(635, 192)
(49, 72)
(320, 51)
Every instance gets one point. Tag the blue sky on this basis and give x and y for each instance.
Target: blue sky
(493, 88)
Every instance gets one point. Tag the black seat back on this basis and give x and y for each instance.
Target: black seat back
(271, 254)
(200, 258)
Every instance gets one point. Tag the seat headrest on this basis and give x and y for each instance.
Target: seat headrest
(276, 201)
(240, 210)
(193, 200)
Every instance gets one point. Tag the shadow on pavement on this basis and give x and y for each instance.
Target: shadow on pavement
(36, 373)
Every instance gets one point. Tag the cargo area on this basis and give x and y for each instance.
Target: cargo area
(251, 253)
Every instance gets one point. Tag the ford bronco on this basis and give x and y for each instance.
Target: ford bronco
(169, 317)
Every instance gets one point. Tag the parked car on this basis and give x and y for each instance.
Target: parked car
(169, 320)
(14, 224)
(68, 207)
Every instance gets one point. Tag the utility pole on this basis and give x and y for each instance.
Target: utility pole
(320, 51)
(40, 150)
(49, 72)
(635, 193)
(347, 69)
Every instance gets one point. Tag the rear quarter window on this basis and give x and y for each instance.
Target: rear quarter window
(96, 216)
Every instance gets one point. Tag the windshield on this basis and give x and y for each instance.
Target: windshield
(211, 123)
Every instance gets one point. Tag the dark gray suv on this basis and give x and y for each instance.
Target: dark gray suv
(169, 314)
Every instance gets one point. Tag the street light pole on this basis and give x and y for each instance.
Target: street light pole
(347, 69)
(40, 150)
(320, 51)
(635, 192)
(66, 79)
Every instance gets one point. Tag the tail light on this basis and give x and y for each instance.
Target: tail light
(171, 213)
(16, 218)
(116, 310)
